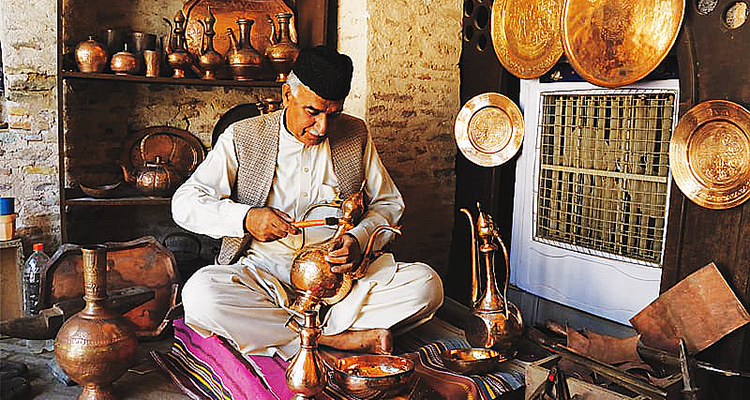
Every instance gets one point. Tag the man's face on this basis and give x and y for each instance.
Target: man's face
(308, 115)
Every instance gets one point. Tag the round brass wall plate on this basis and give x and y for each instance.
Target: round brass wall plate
(613, 43)
(709, 154)
(489, 129)
(526, 35)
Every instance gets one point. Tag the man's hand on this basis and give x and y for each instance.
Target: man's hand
(267, 224)
(345, 255)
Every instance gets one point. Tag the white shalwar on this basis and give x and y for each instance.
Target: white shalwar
(247, 302)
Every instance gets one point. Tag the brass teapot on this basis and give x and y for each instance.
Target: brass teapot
(282, 53)
(311, 274)
(495, 322)
(154, 178)
(209, 59)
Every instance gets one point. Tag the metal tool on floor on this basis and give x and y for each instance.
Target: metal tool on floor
(689, 391)
(556, 380)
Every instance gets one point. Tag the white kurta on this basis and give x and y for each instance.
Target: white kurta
(222, 299)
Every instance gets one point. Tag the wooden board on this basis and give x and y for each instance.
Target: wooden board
(11, 281)
(140, 262)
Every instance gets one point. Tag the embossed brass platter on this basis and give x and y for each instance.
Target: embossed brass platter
(526, 35)
(617, 42)
(709, 154)
(489, 129)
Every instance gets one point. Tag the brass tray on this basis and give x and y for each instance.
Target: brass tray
(140, 262)
(709, 154)
(489, 129)
(526, 35)
(226, 13)
(176, 147)
(612, 43)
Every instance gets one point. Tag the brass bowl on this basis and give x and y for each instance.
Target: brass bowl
(371, 376)
(471, 361)
(99, 187)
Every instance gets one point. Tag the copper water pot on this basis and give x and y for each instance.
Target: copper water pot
(495, 322)
(306, 372)
(123, 62)
(283, 51)
(95, 346)
(91, 56)
(178, 57)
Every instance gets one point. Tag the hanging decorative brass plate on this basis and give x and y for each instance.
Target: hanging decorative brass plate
(489, 129)
(526, 35)
(709, 154)
(617, 42)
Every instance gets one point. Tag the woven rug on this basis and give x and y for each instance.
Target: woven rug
(211, 369)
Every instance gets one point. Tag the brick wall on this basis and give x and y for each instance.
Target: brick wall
(406, 86)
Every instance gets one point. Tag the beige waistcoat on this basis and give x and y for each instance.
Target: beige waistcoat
(256, 138)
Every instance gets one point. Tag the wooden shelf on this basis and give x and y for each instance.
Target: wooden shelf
(123, 197)
(167, 80)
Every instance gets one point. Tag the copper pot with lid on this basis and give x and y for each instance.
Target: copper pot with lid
(156, 177)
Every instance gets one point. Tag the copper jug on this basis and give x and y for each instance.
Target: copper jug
(306, 373)
(283, 51)
(123, 62)
(209, 60)
(495, 322)
(95, 346)
(243, 59)
(178, 57)
(311, 274)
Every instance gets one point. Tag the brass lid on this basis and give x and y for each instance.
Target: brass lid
(526, 35)
(617, 42)
(709, 154)
(489, 129)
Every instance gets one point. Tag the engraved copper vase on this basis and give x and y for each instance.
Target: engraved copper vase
(91, 56)
(95, 346)
(282, 52)
(178, 57)
(495, 322)
(243, 59)
(123, 62)
(306, 373)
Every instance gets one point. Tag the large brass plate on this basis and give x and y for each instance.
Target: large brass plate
(489, 129)
(617, 42)
(526, 35)
(709, 154)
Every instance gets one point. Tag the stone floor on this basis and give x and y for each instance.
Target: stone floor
(144, 381)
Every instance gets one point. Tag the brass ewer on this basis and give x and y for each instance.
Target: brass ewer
(178, 57)
(495, 322)
(283, 51)
(95, 346)
(242, 57)
(209, 60)
(311, 274)
(306, 373)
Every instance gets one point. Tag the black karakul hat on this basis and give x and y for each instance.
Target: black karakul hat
(325, 71)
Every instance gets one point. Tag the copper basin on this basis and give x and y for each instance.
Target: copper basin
(371, 376)
(471, 361)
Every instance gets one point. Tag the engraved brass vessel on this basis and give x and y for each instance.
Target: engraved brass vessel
(526, 35)
(209, 60)
(95, 346)
(613, 43)
(373, 376)
(242, 57)
(495, 322)
(709, 154)
(283, 51)
(306, 373)
(91, 56)
(178, 57)
(311, 274)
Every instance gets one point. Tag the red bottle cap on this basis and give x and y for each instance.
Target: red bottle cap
(38, 247)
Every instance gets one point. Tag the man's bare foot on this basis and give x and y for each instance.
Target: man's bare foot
(377, 341)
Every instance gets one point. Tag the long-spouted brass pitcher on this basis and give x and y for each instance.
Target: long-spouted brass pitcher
(311, 274)
(495, 322)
